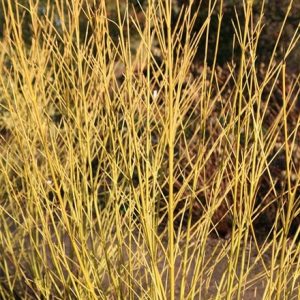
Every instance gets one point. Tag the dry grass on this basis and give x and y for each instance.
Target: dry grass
(103, 150)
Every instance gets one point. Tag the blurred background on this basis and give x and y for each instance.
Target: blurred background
(274, 15)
